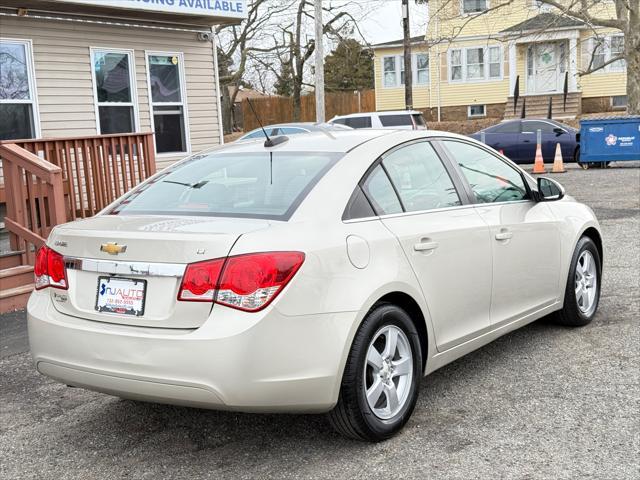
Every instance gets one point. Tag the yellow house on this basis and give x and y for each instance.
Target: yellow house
(476, 52)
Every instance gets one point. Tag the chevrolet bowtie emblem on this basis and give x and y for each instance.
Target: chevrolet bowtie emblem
(113, 248)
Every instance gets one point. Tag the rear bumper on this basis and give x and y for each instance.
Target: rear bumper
(262, 361)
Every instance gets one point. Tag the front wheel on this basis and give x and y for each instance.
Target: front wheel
(381, 378)
(582, 293)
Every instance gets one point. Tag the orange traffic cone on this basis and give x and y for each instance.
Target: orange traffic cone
(558, 165)
(538, 166)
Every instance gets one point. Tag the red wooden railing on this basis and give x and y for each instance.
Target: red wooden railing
(51, 181)
(35, 199)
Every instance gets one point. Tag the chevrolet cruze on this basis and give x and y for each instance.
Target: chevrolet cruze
(327, 272)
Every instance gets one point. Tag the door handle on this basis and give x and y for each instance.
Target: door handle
(425, 245)
(504, 235)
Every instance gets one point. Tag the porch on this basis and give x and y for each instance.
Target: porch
(47, 182)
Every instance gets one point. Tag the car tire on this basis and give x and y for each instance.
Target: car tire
(358, 415)
(582, 293)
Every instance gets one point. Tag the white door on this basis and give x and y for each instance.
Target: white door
(525, 236)
(447, 243)
(546, 63)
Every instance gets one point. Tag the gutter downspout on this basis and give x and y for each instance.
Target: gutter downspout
(217, 77)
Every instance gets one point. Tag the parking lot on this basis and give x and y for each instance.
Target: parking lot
(542, 402)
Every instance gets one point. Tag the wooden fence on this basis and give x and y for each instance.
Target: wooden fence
(280, 109)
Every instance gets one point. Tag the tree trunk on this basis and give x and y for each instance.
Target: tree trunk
(227, 120)
(633, 74)
(296, 100)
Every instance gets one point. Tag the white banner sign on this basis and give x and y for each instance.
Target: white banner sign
(210, 8)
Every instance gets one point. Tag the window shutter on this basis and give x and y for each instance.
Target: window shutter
(505, 70)
(443, 65)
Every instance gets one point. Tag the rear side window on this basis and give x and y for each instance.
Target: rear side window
(420, 178)
(358, 122)
(400, 120)
(253, 185)
(511, 127)
(380, 192)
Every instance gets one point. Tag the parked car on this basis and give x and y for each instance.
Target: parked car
(518, 139)
(399, 119)
(325, 274)
(291, 129)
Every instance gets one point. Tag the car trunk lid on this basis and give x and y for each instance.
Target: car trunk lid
(139, 260)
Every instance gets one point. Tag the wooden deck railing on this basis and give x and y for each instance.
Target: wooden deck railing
(76, 177)
(35, 199)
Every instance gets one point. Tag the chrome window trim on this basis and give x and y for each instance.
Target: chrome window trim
(118, 267)
(436, 210)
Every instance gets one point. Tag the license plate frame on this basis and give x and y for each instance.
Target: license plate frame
(114, 309)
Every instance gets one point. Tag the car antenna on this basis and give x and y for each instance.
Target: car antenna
(268, 142)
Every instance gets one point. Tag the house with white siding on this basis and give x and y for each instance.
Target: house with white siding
(95, 96)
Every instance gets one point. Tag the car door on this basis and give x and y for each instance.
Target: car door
(525, 236)
(444, 239)
(529, 137)
(505, 137)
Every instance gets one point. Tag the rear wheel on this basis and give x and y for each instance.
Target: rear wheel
(381, 378)
(582, 293)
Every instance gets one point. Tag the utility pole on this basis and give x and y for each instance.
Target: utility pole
(319, 63)
(408, 78)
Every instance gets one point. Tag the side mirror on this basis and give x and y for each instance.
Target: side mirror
(558, 131)
(549, 190)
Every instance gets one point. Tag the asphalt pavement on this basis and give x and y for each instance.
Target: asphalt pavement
(544, 402)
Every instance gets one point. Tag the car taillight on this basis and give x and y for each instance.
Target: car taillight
(245, 282)
(50, 270)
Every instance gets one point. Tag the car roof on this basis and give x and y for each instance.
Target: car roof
(381, 114)
(329, 141)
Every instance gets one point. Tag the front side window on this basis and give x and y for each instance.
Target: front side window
(167, 102)
(18, 115)
(115, 97)
(474, 6)
(250, 185)
(420, 178)
(358, 122)
(380, 193)
(491, 179)
(533, 126)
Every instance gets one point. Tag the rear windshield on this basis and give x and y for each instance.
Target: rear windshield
(400, 120)
(253, 185)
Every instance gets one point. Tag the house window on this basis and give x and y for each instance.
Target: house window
(18, 106)
(421, 68)
(456, 65)
(495, 63)
(389, 71)
(168, 107)
(393, 70)
(477, 111)
(115, 99)
(605, 49)
(474, 6)
(617, 48)
(619, 101)
(475, 64)
(542, 6)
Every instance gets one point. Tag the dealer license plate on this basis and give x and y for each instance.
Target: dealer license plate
(123, 296)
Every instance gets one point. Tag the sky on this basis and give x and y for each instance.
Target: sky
(384, 22)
